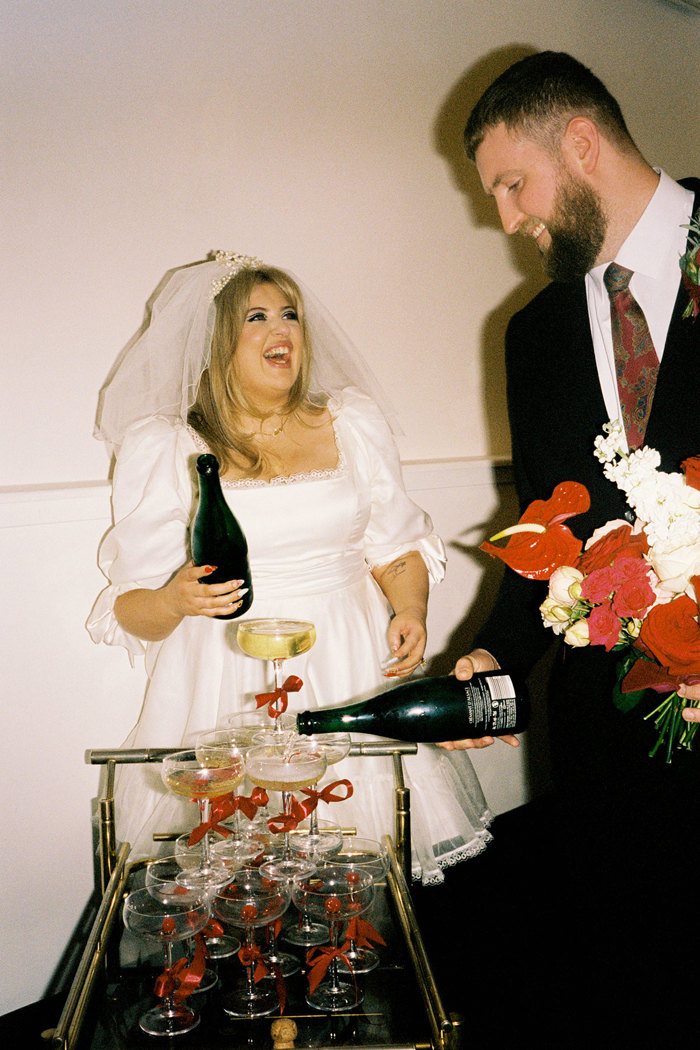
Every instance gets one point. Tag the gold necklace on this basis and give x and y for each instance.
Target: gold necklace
(275, 430)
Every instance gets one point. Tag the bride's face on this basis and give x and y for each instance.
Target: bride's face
(268, 355)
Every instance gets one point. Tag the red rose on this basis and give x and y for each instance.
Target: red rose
(634, 598)
(603, 626)
(691, 469)
(599, 584)
(618, 542)
(671, 633)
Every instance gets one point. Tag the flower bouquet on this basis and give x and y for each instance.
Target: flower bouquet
(633, 589)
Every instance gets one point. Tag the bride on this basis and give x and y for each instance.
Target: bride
(237, 361)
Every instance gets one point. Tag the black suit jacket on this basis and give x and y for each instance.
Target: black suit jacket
(556, 410)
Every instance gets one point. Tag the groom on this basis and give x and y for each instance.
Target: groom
(552, 149)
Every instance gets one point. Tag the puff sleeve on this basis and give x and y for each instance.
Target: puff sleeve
(396, 524)
(152, 499)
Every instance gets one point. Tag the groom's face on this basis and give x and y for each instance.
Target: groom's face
(538, 196)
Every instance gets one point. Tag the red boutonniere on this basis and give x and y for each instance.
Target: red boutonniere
(690, 267)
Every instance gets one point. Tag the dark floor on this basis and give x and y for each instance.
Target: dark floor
(520, 955)
(524, 961)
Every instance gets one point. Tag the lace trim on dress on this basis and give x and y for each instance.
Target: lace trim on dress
(280, 479)
(473, 849)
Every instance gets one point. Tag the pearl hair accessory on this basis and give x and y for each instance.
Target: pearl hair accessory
(234, 263)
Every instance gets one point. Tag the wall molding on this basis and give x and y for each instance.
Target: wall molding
(30, 505)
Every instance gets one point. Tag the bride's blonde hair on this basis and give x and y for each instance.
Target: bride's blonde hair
(216, 413)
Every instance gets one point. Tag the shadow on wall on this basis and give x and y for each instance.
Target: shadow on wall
(448, 141)
(490, 570)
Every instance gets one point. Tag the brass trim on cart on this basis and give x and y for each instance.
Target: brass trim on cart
(444, 1031)
(111, 757)
(71, 1019)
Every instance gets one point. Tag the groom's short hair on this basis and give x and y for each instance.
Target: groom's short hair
(539, 95)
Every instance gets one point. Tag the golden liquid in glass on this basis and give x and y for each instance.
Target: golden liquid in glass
(208, 782)
(275, 639)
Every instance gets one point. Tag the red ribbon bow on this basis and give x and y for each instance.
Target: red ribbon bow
(324, 956)
(224, 807)
(182, 978)
(299, 811)
(277, 701)
(327, 794)
(363, 933)
(251, 955)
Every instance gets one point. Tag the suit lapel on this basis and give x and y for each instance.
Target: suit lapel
(680, 362)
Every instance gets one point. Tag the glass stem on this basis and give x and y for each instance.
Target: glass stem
(168, 1003)
(287, 809)
(204, 816)
(277, 665)
(250, 943)
(333, 968)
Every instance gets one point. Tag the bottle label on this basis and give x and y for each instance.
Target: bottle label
(492, 702)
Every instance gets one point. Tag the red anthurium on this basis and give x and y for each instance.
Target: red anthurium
(691, 469)
(540, 543)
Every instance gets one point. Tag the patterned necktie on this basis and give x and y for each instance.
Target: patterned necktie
(636, 363)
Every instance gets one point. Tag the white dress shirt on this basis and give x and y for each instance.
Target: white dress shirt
(651, 251)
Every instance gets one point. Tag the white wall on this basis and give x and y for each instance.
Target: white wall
(323, 135)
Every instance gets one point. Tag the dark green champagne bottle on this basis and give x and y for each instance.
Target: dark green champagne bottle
(217, 538)
(428, 710)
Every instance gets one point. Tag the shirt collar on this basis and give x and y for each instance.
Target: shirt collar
(658, 237)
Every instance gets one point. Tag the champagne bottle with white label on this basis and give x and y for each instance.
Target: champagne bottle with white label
(429, 710)
(217, 538)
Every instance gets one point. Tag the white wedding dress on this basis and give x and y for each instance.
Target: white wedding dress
(312, 540)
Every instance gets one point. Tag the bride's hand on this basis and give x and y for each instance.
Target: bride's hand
(407, 641)
(186, 596)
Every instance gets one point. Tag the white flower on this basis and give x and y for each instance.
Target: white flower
(554, 615)
(565, 585)
(606, 448)
(632, 628)
(609, 526)
(676, 566)
(577, 634)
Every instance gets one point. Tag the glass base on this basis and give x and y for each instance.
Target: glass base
(335, 998)
(222, 947)
(326, 839)
(259, 1002)
(286, 963)
(208, 880)
(306, 935)
(286, 868)
(363, 960)
(168, 1020)
(210, 979)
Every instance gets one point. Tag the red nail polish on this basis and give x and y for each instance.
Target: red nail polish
(208, 569)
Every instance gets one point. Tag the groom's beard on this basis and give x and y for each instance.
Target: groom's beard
(577, 230)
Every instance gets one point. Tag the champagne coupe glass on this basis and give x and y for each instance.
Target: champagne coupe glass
(161, 880)
(331, 896)
(285, 961)
(360, 854)
(275, 640)
(166, 922)
(251, 900)
(323, 837)
(315, 846)
(236, 743)
(285, 767)
(200, 775)
(254, 727)
(232, 855)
